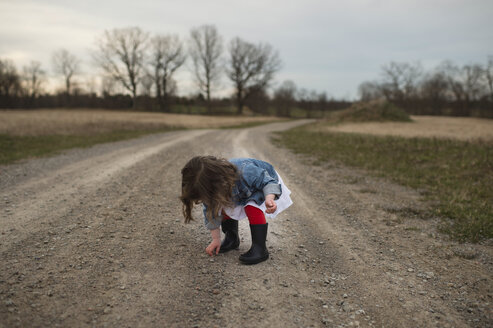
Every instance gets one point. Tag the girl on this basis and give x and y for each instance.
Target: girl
(230, 191)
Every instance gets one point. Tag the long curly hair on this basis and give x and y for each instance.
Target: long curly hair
(209, 180)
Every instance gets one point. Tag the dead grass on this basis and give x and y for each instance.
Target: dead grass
(90, 122)
(459, 128)
(455, 175)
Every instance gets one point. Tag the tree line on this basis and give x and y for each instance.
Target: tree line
(138, 71)
(448, 89)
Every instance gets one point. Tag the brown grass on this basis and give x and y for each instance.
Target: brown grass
(459, 128)
(88, 122)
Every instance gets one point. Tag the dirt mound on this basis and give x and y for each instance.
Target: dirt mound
(373, 111)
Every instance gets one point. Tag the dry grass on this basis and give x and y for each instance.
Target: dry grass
(459, 128)
(89, 122)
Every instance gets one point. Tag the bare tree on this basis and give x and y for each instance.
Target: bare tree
(434, 86)
(107, 86)
(285, 98)
(121, 56)
(322, 101)
(434, 90)
(369, 91)
(451, 73)
(65, 64)
(251, 68)
(147, 83)
(10, 82)
(400, 80)
(206, 48)
(473, 87)
(34, 77)
(489, 76)
(464, 82)
(167, 56)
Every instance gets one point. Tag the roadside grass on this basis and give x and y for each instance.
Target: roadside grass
(457, 176)
(14, 148)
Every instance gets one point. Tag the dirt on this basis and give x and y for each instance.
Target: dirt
(87, 122)
(461, 128)
(94, 238)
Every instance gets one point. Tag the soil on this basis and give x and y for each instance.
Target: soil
(461, 128)
(94, 238)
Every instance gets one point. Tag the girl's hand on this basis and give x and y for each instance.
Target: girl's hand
(270, 204)
(213, 247)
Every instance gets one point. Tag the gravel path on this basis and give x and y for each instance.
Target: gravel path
(94, 238)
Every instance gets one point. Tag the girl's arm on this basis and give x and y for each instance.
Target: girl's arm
(215, 244)
(260, 179)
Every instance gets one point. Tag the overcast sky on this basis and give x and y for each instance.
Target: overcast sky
(327, 45)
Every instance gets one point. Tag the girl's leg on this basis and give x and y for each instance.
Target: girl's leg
(225, 216)
(231, 238)
(255, 215)
(258, 227)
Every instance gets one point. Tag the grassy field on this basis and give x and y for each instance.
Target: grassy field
(25, 134)
(90, 122)
(461, 128)
(456, 175)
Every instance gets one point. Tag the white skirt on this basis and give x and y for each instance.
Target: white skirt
(284, 201)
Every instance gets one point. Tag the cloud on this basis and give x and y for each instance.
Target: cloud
(324, 45)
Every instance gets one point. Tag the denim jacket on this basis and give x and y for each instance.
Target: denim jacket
(257, 179)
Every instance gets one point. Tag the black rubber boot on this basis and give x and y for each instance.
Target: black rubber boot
(258, 252)
(231, 240)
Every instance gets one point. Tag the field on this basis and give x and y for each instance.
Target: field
(26, 134)
(448, 159)
(87, 122)
(460, 128)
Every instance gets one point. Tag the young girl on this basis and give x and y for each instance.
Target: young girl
(230, 191)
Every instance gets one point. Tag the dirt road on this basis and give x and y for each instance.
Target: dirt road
(94, 237)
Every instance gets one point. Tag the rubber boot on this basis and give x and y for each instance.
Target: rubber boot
(231, 240)
(258, 252)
